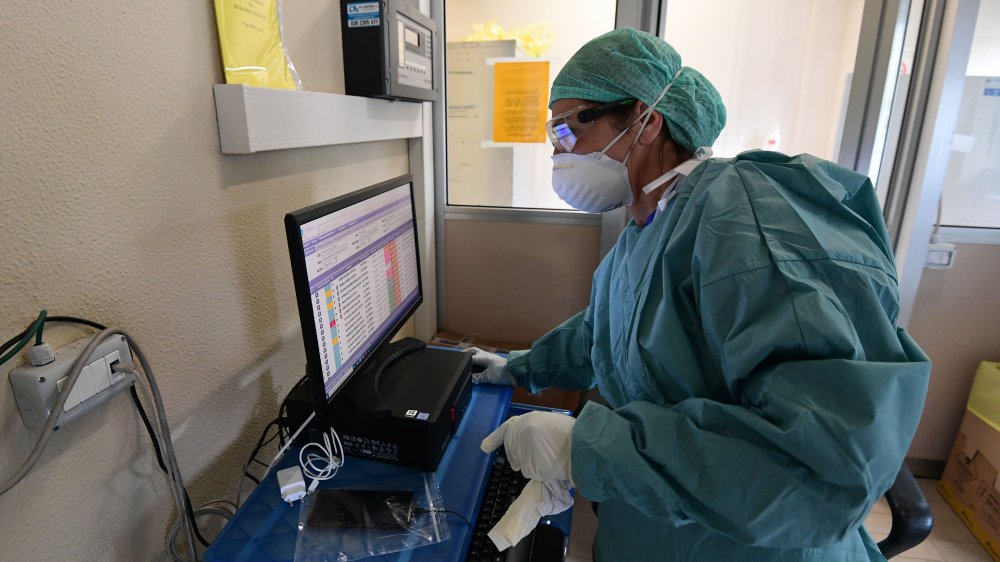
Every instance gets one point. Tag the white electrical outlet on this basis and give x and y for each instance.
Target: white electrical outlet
(940, 255)
(37, 388)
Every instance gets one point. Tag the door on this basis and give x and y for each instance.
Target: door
(944, 188)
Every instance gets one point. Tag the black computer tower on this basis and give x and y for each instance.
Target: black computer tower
(402, 411)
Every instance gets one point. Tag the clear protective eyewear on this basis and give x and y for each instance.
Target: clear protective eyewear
(560, 132)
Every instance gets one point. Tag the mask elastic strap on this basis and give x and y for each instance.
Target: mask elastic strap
(683, 169)
(645, 119)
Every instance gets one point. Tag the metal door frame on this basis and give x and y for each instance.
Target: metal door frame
(876, 68)
(929, 120)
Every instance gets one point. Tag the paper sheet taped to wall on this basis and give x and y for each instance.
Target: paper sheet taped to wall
(520, 101)
(251, 44)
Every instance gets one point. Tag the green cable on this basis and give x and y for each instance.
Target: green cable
(34, 329)
(40, 323)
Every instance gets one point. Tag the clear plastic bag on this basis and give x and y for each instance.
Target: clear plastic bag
(387, 515)
(535, 39)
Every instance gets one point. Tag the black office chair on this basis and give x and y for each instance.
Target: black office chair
(912, 520)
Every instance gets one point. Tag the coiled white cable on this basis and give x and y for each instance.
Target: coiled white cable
(321, 461)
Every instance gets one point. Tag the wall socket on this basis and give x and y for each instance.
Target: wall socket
(37, 388)
(940, 255)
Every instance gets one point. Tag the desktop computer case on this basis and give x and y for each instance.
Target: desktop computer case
(406, 415)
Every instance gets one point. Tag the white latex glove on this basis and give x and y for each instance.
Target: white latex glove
(537, 444)
(495, 368)
(538, 499)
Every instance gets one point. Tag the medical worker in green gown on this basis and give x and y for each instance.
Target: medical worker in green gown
(742, 330)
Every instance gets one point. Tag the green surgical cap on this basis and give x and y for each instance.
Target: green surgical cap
(626, 63)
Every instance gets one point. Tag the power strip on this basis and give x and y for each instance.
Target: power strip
(37, 388)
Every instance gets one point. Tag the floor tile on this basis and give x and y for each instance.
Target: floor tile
(878, 537)
(938, 503)
(961, 551)
(952, 531)
(929, 487)
(934, 497)
(944, 512)
(879, 523)
(881, 506)
(925, 551)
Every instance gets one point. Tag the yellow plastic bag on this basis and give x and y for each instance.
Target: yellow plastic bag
(533, 39)
(253, 52)
(984, 400)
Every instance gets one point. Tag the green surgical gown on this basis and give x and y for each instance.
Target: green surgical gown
(761, 395)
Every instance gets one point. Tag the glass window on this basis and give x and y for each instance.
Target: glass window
(971, 192)
(783, 68)
(481, 171)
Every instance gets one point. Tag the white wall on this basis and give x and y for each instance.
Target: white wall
(775, 62)
(984, 60)
(118, 206)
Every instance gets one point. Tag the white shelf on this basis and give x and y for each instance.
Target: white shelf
(258, 119)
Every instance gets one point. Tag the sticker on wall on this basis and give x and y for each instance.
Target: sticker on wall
(363, 14)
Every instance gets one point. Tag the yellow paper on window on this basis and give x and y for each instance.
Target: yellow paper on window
(520, 101)
(250, 41)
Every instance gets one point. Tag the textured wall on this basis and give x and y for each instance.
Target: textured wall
(116, 205)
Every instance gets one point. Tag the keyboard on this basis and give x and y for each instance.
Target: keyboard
(544, 544)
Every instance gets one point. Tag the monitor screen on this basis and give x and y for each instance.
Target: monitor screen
(356, 270)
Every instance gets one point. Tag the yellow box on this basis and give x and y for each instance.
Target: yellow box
(969, 483)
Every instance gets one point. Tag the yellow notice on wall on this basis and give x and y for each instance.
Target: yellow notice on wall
(250, 41)
(520, 101)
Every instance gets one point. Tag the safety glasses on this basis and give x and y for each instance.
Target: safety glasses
(562, 129)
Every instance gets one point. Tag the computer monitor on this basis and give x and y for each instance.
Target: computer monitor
(357, 279)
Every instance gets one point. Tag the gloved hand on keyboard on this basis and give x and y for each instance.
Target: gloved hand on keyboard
(538, 499)
(538, 445)
(495, 368)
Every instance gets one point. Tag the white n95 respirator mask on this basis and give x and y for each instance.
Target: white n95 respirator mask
(595, 182)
